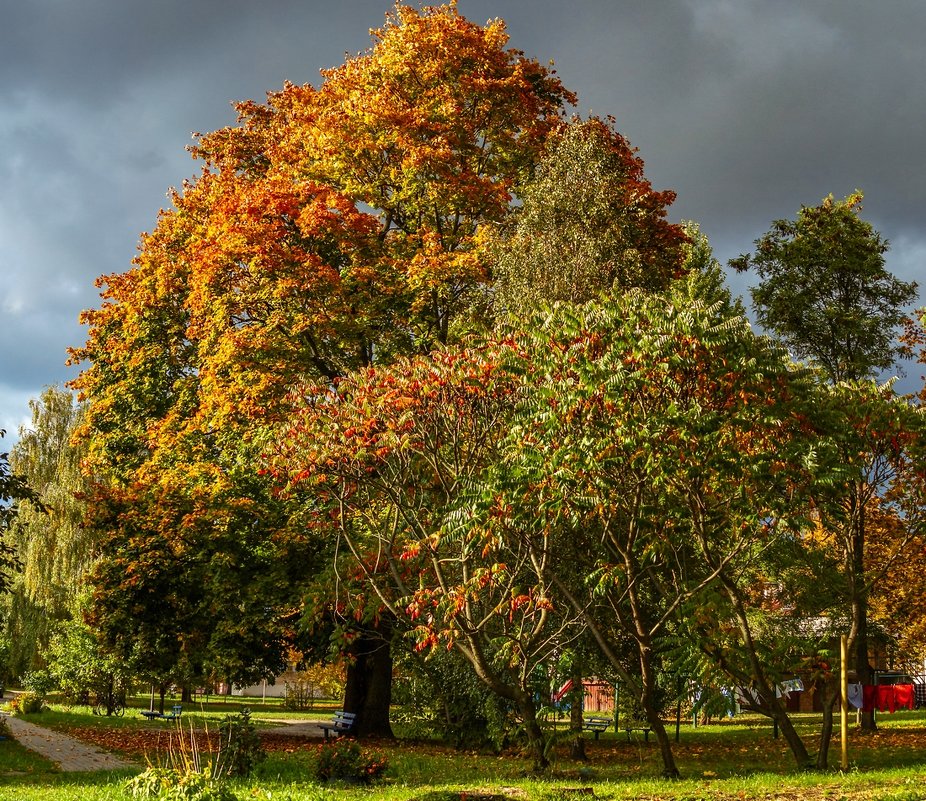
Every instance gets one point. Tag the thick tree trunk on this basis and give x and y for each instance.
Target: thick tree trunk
(368, 691)
(186, 695)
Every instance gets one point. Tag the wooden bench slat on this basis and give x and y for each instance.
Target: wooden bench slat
(341, 723)
(596, 725)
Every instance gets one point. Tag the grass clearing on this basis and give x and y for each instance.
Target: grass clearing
(735, 760)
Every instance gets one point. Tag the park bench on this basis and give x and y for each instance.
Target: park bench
(175, 712)
(342, 723)
(632, 727)
(596, 725)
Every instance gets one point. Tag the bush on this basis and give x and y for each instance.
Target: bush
(82, 672)
(39, 682)
(170, 784)
(300, 693)
(240, 748)
(440, 697)
(25, 704)
(343, 760)
(314, 681)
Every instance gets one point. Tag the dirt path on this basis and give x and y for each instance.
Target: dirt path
(68, 753)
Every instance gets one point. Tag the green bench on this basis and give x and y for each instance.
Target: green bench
(596, 725)
(175, 712)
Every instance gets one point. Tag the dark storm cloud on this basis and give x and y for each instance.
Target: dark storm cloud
(746, 108)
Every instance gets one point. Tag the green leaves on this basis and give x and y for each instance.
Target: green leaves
(824, 290)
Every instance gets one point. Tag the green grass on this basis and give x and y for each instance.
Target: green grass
(15, 759)
(730, 761)
(62, 717)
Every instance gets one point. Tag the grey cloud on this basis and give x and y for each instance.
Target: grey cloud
(746, 108)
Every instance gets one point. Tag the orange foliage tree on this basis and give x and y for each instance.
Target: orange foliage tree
(332, 228)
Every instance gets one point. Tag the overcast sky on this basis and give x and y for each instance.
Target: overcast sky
(746, 108)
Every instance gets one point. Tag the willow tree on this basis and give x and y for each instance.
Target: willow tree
(54, 548)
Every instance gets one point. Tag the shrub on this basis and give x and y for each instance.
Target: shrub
(39, 682)
(313, 681)
(171, 784)
(343, 760)
(25, 704)
(300, 693)
(82, 672)
(240, 748)
(439, 697)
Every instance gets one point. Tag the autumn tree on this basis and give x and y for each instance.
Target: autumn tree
(191, 591)
(435, 128)
(897, 568)
(334, 227)
(390, 456)
(898, 557)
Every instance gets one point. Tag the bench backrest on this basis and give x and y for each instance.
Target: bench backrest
(345, 719)
(177, 710)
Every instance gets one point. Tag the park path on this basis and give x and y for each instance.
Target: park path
(67, 752)
(310, 729)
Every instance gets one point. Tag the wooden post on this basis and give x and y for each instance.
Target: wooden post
(844, 693)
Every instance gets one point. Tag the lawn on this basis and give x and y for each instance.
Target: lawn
(732, 760)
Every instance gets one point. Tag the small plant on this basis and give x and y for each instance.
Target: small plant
(240, 748)
(171, 784)
(343, 760)
(186, 777)
(25, 704)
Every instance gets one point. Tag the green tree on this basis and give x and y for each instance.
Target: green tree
(13, 491)
(589, 222)
(825, 292)
(657, 437)
(82, 671)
